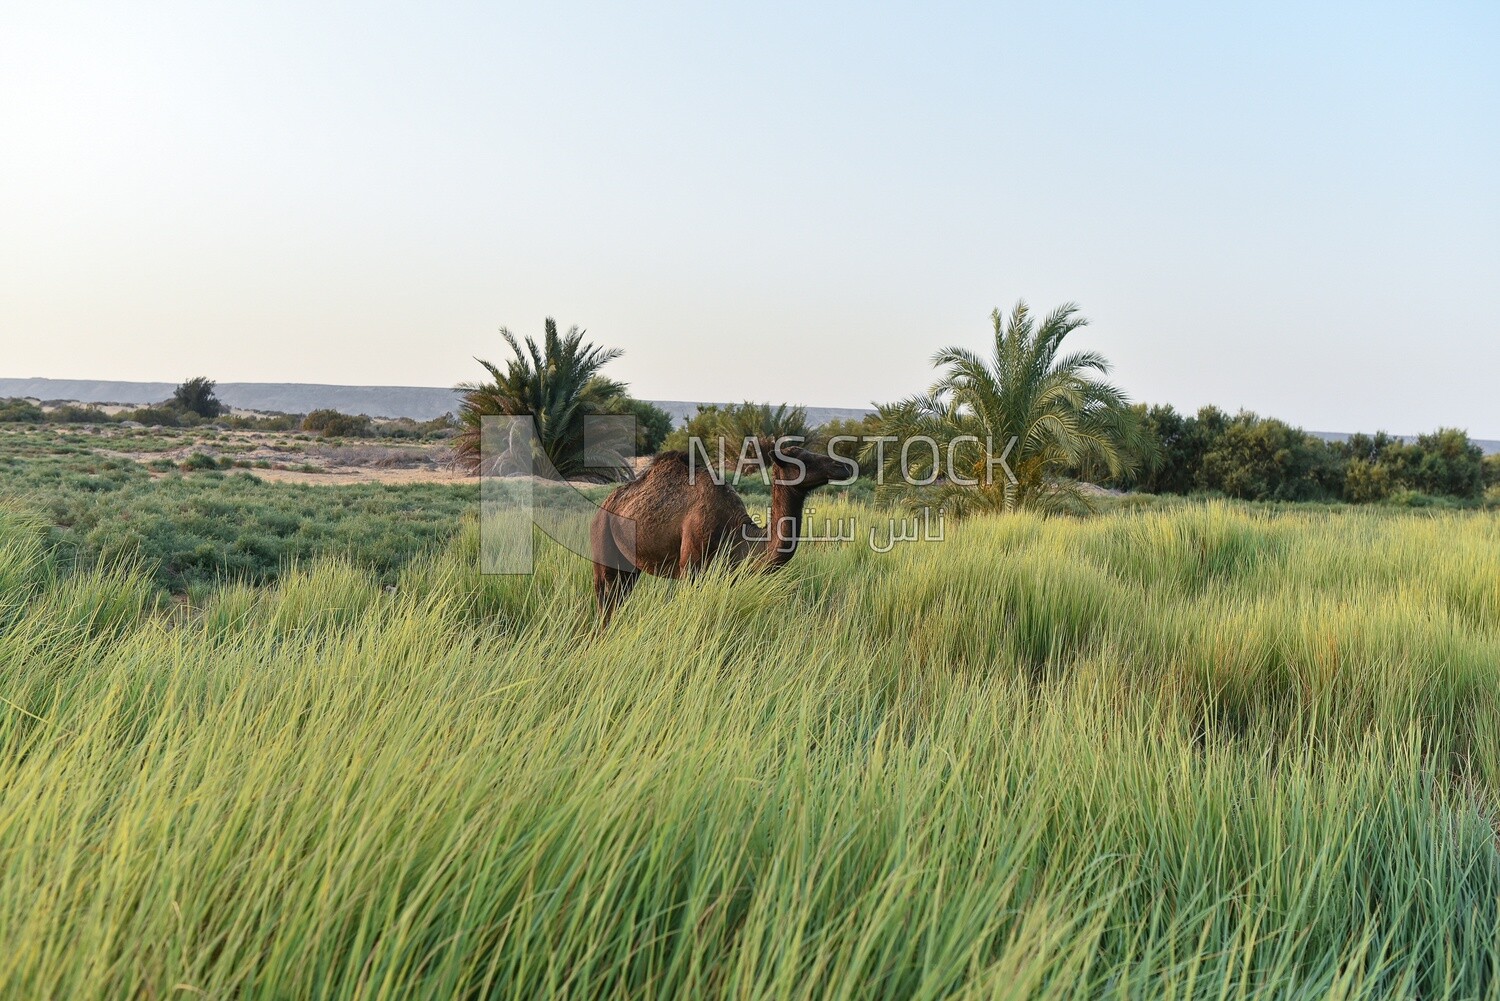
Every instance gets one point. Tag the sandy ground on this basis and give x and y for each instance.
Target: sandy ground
(289, 457)
(362, 474)
(284, 458)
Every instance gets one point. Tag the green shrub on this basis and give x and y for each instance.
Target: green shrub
(196, 396)
(652, 423)
(1448, 463)
(445, 426)
(1182, 443)
(1406, 497)
(1445, 463)
(1366, 481)
(1264, 459)
(556, 384)
(333, 424)
(73, 414)
(265, 422)
(18, 411)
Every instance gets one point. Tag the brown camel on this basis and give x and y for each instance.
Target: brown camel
(674, 519)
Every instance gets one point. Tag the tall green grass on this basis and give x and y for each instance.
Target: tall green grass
(1196, 752)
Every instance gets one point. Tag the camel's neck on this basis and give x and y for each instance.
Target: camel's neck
(786, 524)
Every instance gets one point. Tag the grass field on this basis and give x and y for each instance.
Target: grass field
(1198, 751)
(191, 529)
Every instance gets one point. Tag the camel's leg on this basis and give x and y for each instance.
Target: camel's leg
(614, 574)
(699, 543)
(611, 588)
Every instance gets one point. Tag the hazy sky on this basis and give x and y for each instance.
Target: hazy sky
(1293, 208)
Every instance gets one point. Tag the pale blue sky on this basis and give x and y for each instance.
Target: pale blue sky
(1287, 207)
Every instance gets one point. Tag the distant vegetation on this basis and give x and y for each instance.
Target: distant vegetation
(736, 422)
(13, 411)
(328, 423)
(1073, 428)
(652, 423)
(196, 396)
(264, 422)
(1255, 458)
(332, 424)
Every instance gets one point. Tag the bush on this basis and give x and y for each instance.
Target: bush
(652, 423)
(1492, 470)
(406, 428)
(73, 414)
(19, 411)
(1416, 498)
(1176, 467)
(266, 422)
(197, 396)
(1265, 459)
(1366, 481)
(1449, 464)
(333, 424)
(1442, 464)
(557, 384)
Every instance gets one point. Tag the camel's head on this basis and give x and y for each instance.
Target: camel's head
(805, 469)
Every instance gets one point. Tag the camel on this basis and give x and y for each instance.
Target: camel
(674, 519)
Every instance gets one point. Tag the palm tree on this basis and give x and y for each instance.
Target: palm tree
(736, 422)
(761, 420)
(556, 384)
(726, 430)
(1063, 417)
